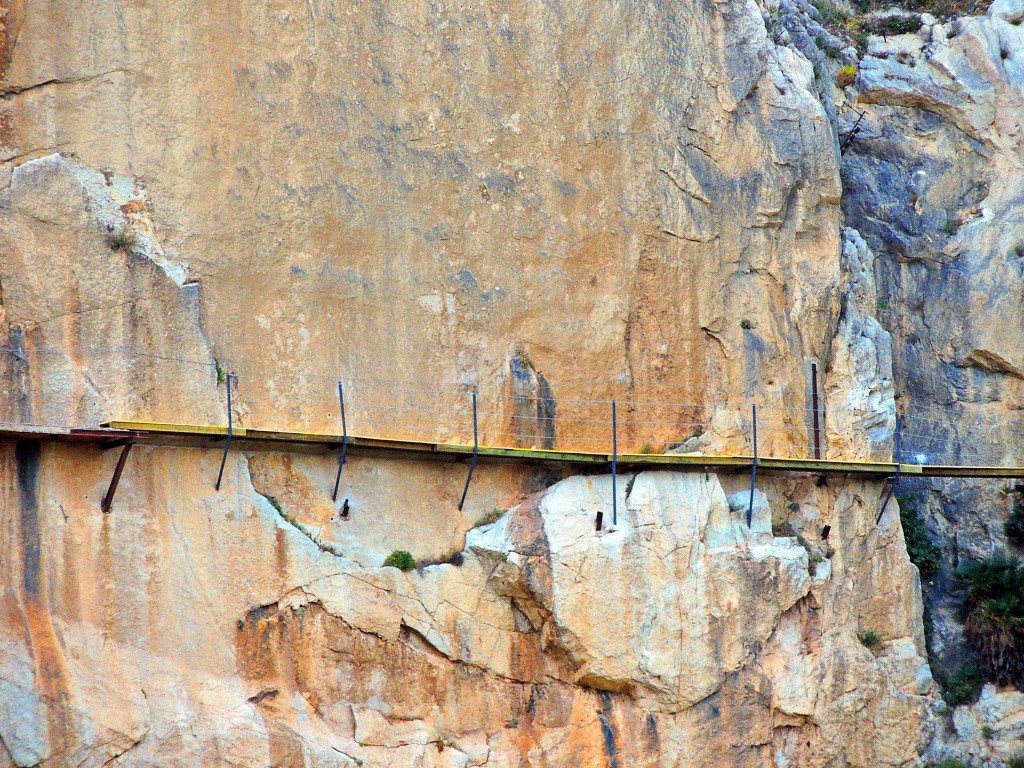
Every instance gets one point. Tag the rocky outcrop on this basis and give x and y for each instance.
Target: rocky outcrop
(189, 628)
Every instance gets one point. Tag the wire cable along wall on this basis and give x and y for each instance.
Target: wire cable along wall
(492, 418)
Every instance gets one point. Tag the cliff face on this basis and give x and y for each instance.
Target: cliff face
(932, 182)
(191, 627)
(412, 193)
(553, 204)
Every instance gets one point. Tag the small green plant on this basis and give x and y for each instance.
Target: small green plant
(925, 555)
(814, 559)
(745, 324)
(1017, 761)
(512, 722)
(952, 762)
(221, 373)
(950, 226)
(646, 448)
(401, 560)
(122, 239)
(961, 685)
(870, 640)
(987, 732)
(846, 75)
(277, 505)
(898, 25)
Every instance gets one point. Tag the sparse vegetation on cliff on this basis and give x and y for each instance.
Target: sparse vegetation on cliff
(994, 616)
(401, 560)
(122, 239)
(925, 555)
(960, 685)
(870, 640)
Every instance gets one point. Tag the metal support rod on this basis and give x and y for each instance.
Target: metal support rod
(344, 442)
(851, 135)
(476, 451)
(814, 405)
(231, 431)
(753, 470)
(615, 466)
(108, 497)
(896, 457)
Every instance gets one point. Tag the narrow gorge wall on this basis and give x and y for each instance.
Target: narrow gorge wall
(639, 201)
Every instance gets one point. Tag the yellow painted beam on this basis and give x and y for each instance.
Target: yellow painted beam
(178, 429)
(180, 434)
(540, 454)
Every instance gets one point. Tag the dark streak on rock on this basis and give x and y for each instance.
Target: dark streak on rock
(26, 455)
(605, 716)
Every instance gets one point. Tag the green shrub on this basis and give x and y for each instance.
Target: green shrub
(1015, 525)
(746, 324)
(1017, 761)
(401, 560)
(870, 640)
(898, 25)
(646, 448)
(122, 239)
(994, 616)
(952, 762)
(961, 685)
(925, 555)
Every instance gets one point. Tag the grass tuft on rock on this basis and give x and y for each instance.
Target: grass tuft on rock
(401, 560)
(122, 239)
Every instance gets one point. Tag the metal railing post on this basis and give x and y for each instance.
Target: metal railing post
(476, 451)
(753, 469)
(344, 441)
(231, 431)
(615, 463)
(897, 450)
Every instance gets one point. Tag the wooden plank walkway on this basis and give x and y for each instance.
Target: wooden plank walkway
(114, 433)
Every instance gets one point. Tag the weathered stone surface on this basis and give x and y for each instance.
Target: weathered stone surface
(191, 627)
(417, 193)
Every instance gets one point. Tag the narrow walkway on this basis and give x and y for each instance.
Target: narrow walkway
(115, 433)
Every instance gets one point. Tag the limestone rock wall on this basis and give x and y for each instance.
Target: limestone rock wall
(188, 627)
(557, 203)
(642, 199)
(932, 182)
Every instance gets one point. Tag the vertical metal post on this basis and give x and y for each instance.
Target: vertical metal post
(231, 429)
(897, 451)
(344, 442)
(615, 463)
(814, 405)
(476, 451)
(753, 469)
